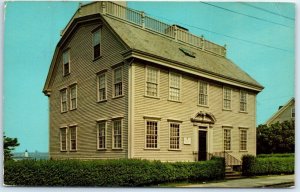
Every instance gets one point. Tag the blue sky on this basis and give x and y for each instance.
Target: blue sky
(260, 45)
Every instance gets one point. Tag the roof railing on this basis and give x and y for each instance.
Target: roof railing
(144, 21)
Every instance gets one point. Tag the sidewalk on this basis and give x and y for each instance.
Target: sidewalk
(262, 181)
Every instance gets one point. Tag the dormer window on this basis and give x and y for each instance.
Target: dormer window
(96, 43)
(66, 62)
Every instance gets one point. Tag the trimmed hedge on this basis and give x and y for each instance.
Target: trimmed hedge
(122, 172)
(268, 165)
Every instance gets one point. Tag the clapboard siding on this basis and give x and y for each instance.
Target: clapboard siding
(184, 111)
(83, 72)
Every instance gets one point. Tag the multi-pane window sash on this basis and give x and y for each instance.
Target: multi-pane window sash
(102, 87)
(227, 98)
(227, 139)
(243, 101)
(174, 86)
(64, 104)
(152, 82)
(117, 134)
(96, 43)
(243, 140)
(101, 135)
(118, 90)
(203, 93)
(293, 112)
(174, 136)
(63, 139)
(73, 138)
(73, 97)
(151, 135)
(66, 62)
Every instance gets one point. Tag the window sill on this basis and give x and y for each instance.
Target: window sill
(95, 59)
(206, 106)
(65, 75)
(174, 149)
(243, 112)
(117, 149)
(174, 101)
(152, 149)
(74, 150)
(63, 151)
(102, 101)
(227, 109)
(243, 150)
(73, 109)
(152, 97)
(104, 149)
(63, 112)
(119, 96)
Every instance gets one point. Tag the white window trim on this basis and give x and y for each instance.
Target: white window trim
(230, 129)
(70, 96)
(175, 122)
(245, 101)
(63, 64)
(240, 139)
(73, 150)
(158, 81)
(180, 86)
(61, 100)
(113, 82)
(225, 87)
(199, 81)
(99, 28)
(112, 134)
(105, 124)
(60, 139)
(98, 84)
(145, 133)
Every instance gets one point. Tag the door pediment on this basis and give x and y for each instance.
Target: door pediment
(204, 117)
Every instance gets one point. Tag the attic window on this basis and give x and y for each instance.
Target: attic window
(188, 53)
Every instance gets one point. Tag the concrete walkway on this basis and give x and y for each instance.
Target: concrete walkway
(262, 181)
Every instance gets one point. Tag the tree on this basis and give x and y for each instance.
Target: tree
(276, 138)
(9, 145)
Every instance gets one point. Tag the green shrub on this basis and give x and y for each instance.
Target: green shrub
(248, 162)
(268, 165)
(122, 172)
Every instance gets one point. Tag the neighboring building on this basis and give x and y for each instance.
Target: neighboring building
(124, 85)
(284, 113)
(30, 155)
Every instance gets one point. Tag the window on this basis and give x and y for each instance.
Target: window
(243, 140)
(102, 87)
(63, 99)
(243, 101)
(152, 82)
(73, 138)
(96, 43)
(293, 112)
(73, 97)
(117, 134)
(118, 90)
(174, 87)
(101, 135)
(226, 98)
(174, 136)
(66, 62)
(227, 139)
(203, 93)
(63, 139)
(151, 135)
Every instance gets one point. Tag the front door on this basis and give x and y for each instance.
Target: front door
(202, 146)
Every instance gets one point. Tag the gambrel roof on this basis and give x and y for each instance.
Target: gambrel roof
(148, 45)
